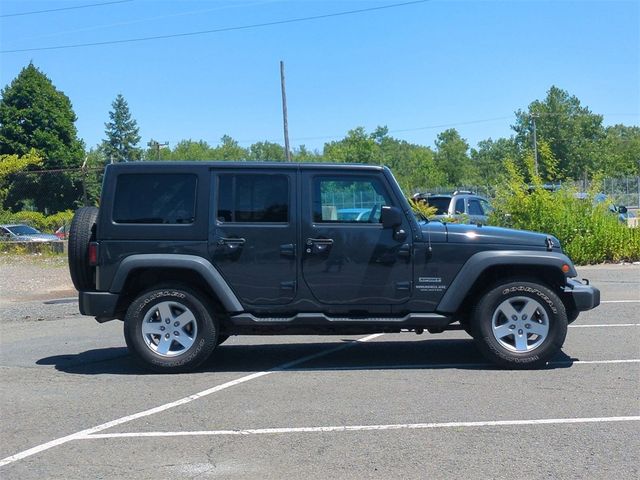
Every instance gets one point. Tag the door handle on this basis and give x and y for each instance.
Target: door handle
(288, 250)
(319, 246)
(231, 245)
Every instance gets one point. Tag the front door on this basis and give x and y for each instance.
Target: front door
(253, 243)
(348, 257)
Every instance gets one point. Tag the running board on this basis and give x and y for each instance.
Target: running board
(320, 319)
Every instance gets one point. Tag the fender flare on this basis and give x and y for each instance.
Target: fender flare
(190, 262)
(479, 262)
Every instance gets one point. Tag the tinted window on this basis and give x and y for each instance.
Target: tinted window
(340, 200)
(253, 198)
(460, 205)
(474, 207)
(440, 203)
(155, 198)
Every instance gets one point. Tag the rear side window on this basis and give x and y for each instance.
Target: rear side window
(253, 198)
(441, 204)
(155, 198)
(459, 206)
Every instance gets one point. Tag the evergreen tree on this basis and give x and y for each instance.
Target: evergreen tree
(35, 115)
(122, 134)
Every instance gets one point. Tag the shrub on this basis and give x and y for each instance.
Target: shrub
(38, 220)
(589, 233)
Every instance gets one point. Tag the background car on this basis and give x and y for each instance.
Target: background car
(465, 207)
(24, 233)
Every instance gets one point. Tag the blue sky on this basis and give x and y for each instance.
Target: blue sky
(417, 68)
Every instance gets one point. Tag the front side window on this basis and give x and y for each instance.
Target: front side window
(474, 207)
(253, 198)
(345, 200)
(459, 206)
(155, 198)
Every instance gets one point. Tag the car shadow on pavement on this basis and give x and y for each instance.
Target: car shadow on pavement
(234, 357)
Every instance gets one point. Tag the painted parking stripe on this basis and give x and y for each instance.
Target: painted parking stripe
(84, 433)
(357, 428)
(418, 366)
(620, 301)
(603, 325)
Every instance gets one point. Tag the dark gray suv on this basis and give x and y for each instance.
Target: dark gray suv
(463, 206)
(187, 254)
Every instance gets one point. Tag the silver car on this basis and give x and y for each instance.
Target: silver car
(24, 233)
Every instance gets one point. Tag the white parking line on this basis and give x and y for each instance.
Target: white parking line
(601, 325)
(419, 366)
(84, 433)
(620, 301)
(356, 428)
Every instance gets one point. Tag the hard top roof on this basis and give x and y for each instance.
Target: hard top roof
(252, 164)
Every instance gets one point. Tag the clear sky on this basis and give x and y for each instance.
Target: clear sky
(417, 68)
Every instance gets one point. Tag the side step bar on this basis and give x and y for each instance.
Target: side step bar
(320, 319)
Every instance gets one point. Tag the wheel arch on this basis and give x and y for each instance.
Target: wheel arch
(140, 272)
(486, 268)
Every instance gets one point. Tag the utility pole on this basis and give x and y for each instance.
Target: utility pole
(535, 143)
(157, 146)
(287, 152)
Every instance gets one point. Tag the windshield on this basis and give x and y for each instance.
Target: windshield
(23, 230)
(440, 203)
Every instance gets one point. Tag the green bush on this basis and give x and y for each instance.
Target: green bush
(588, 231)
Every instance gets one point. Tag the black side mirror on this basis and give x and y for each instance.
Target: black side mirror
(390, 217)
(622, 209)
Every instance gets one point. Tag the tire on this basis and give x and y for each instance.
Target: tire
(81, 233)
(520, 324)
(179, 345)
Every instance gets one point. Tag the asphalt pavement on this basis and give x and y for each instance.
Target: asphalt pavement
(74, 405)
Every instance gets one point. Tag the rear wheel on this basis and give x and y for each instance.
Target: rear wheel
(520, 324)
(170, 330)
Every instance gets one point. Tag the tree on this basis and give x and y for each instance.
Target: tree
(620, 151)
(490, 156)
(572, 131)
(122, 134)
(229, 149)
(192, 150)
(12, 164)
(451, 157)
(356, 147)
(268, 151)
(35, 115)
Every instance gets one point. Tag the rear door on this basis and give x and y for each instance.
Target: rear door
(348, 257)
(253, 243)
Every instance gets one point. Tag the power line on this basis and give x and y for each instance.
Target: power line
(35, 12)
(219, 30)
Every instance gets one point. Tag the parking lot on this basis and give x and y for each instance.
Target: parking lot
(74, 405)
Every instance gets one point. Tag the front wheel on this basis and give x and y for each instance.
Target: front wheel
(520, 324)
(170, 330)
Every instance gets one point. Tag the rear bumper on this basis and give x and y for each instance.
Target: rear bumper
(585, 297)
(101, 305)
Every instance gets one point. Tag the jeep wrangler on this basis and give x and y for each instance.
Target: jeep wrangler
(189, 253)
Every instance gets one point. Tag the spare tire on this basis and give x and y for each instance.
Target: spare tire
(81, 233)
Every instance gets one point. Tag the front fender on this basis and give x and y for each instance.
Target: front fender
(481, 261)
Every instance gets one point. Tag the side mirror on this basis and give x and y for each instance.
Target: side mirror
(622, 209)
(390, 217)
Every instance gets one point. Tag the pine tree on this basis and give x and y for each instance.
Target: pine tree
(122, 134)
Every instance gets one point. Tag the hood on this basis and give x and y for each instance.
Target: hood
(474, 234)
(39, 237)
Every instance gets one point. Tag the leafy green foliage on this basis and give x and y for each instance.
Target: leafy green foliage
(35, 115)
(11, 164)
(572, 131)
(588, 231)
(122, 134)
(451, 157)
